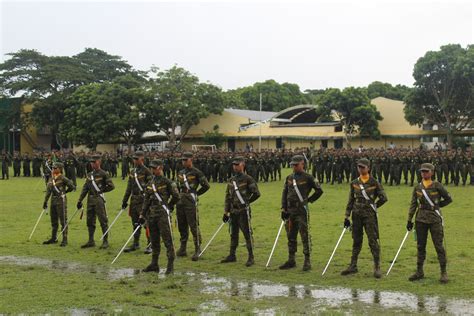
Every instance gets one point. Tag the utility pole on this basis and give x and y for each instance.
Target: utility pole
(260, 134)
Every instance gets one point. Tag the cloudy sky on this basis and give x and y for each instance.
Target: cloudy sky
(313, 44)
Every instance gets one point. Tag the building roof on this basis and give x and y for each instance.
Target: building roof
(252, 115)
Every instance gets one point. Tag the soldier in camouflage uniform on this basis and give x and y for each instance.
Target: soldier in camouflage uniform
(428, 197)
(161, 195)
(191, 183)
(16, 165)
(57, 188)
(241, 191)
(295, 212)
(70, 165)
(97, 183)
(365, 197)
(137, 181)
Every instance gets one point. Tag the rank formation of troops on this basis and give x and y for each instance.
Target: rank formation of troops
(152, 195)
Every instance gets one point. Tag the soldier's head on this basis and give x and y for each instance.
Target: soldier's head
(57, 168)
(187, 159)
(238, 164)
(138, 158)
(297, 163)
(95, 161)
(156, 167)
(363, 166)
(426, 170)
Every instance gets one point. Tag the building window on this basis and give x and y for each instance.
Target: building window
(338, 128)
(427, 139)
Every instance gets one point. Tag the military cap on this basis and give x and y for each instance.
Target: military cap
(156, 163)
(238, 159)
(138, 154)
(363, 162)
(58, 165)
(296, 159)
(95, 157)
(187, 155)
(427, 166)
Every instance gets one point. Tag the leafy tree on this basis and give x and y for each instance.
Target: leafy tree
(443, 93)
(233, 100)
(382, 89)
(214, 137)
(180, 101)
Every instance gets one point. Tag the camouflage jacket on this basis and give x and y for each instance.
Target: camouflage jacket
(140, 174)
(61, 184)
(168, 193)
(358, 204)
(290, 200)
(248, 190)
(102, 180)
(426, 213)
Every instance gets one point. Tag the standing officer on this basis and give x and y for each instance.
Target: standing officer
(191, 184)
(70, 164)
(241, 191)
(97, 183)
(161, 194)
(362, 204)
(137, 181)
(428, 197)
(57, 188)
(295, 212)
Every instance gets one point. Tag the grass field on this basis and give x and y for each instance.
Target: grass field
(44, 279)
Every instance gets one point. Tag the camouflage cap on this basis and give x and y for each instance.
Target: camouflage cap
(296, 159)
(427, 166)
(187, 155)
(363, 162)
(95, 157)
(138, 154)
(156, 163)
(58, 165)
(238, 159)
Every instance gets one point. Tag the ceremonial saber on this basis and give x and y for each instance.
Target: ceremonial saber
(398, 252)
(212, 238)
(275, 243)
(128, 240)
(113, 222)
(334, 251)
(37, 222)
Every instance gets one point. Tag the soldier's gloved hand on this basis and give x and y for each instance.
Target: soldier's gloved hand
(409, 225)
(45, 205)
(124, 205)
(225, 218)
(141, 220)
(285, 215)
(79, 205)
(347, 223)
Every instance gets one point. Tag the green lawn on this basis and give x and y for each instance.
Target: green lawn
(86, 285)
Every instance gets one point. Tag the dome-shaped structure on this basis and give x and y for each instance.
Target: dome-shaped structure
(299, 115)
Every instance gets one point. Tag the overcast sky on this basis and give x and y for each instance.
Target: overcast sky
(316, 45)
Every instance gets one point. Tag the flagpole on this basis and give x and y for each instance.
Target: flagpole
(260, 134)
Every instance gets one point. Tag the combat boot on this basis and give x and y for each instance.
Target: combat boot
(229, 258)
(377, 272)
(351, 269)
(444, 275)
(291, 263)
(134, 246)
(105, 244)
(50, 241)
(91, 242)
(170, 266)
(63, 242)
(153, 266)
(418, 275)
(250, 261)
(197, 251)
(307, 263)
(182, 250)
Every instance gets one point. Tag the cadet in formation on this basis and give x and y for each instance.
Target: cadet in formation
(161, 195)
(137, 181)
(365, 197)
(57, 188)
(191, 183)
(428, 197)
(241, 191)
(97, 183)
(295, 211)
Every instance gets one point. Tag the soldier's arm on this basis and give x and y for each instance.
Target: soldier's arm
(48, 194)
(444, 195)
(174, 194)
(84, 191)
(109, 185)
(350, 203)
(146, 204)
(204, 184)
(317, 190)
(128, 191)
(381, 195)
(69, 185)
(228, 198)
(283, 195)
(254, 192)
(413, 205)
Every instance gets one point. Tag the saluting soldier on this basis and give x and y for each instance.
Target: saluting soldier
(57, 188)
(428, 197)
(161, 195)
(97, 183)
(241, 191)
(137, 181)
(295, 212)
(191, 183)
(365, 197)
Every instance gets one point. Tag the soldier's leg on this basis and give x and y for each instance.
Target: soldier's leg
(437, 235)
(134, 212)
(246, 230)
(292, 228)
(155, 245)
(421, 238)
(357, 239)
(279, 173)
(305, 233)
(54, 223)
(63, 219)
(183, 228)
(104, 222)
(192, 216)
(166, 235)
(371, 229)
(91, 219)
(234, 237)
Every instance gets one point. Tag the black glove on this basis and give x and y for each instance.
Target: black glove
(45, 205)
(141, 220)
(285, 215)
(79, 205)
(409, 225)
(225, 218)
(124, 205)
(347, 223)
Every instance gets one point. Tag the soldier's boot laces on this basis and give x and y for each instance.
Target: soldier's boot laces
(229, 258)
(170, 267)
(291, 263)
(197, 251)
(418, 275)
(307, 264)
(377, 272)
(182, 250)
(153, 266)
(351, 269)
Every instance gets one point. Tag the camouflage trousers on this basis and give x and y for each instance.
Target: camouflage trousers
(437, 235)
(58, 213)
(367, 222)
(188, 219)
(298, 222)
(159, 228)
(136, 203)
(96, 209)
(239, 222)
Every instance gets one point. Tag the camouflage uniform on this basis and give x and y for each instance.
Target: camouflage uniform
(296, 212)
